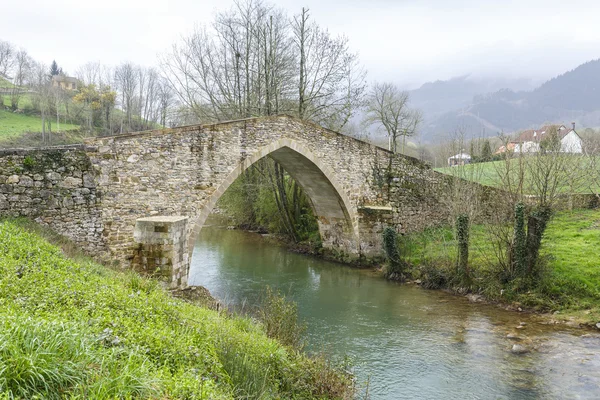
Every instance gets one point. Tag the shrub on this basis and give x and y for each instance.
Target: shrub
(280, 319)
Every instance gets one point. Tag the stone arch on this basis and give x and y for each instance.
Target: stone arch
(336, 214)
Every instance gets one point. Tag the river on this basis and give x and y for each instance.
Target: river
(405, 342)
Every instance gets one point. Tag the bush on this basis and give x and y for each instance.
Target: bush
(280, 319)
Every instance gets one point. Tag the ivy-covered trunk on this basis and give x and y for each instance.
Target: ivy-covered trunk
(519, 256)
(462, 236)
(536, 226)
(390, 245)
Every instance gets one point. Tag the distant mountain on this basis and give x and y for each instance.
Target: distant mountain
(439, 97)
(572, 96)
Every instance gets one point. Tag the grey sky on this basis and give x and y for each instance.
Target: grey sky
(409, 42)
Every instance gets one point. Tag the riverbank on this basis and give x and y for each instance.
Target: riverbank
(71, 327)
(568, 289)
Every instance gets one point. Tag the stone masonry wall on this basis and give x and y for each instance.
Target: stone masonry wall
(55, 187)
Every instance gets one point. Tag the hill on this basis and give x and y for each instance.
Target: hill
(436, 98)
(572, 96)
(23, 129)
(489, 173)
(73, 329)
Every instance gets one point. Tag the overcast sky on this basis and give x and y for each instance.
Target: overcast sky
(409, 42)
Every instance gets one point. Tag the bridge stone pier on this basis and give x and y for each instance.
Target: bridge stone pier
(97, 193)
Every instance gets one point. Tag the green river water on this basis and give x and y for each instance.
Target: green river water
(405, 342)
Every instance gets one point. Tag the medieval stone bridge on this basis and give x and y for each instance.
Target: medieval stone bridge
(140, 199)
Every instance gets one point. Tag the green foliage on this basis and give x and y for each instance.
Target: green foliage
(390, 245)
(280, 319)
(28, 162)
(47, 359)
(252, 202)
(566, 274)
(462, 241)
(519, 242)
(81, 331)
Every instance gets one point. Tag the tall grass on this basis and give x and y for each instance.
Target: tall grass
(280, 319)
(77, 330)
(48, 359)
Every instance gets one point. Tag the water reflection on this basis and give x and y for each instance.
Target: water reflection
(409, 343)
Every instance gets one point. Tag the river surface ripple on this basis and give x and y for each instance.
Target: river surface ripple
(405, 342)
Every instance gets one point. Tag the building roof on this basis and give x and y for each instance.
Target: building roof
(460, 156)
(535, 135)
(62, 78)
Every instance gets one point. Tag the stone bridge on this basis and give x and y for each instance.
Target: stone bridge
(141, 199)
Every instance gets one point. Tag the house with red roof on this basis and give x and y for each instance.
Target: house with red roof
(529, 141)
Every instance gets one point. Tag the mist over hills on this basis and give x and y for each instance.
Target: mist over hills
(487, 107)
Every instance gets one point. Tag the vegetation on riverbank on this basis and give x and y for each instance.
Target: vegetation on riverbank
(568, 279)
(266, 198)
(72, 328)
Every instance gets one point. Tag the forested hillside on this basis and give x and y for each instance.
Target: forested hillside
(572, 96)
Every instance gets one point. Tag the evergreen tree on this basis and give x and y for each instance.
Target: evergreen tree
(486, 151)
(472, 150)
(54, 69)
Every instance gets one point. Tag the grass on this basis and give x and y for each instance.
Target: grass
(4, 84)
(25, 102)
(16, 128)
(570, 280)
(70, 328)
(488, 173)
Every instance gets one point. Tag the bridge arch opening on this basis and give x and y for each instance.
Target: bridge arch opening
(336, 217)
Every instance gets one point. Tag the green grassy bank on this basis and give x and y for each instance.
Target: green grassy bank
(570, 256)
(72, 329)
(576, 180)
(23, 129)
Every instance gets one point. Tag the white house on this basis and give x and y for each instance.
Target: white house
(529, 141)
(459, 159)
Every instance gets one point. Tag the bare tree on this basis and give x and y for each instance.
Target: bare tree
(166, 101)
(387, 108)
(7, 57)
(126, 81)
(254, 60)
(331, 82)
(43, 97)
(92, 73)
(240, 66)
(22, 67)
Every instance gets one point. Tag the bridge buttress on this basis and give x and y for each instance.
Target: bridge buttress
(162, 249)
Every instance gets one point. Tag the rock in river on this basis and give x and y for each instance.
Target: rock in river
(519, 349)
